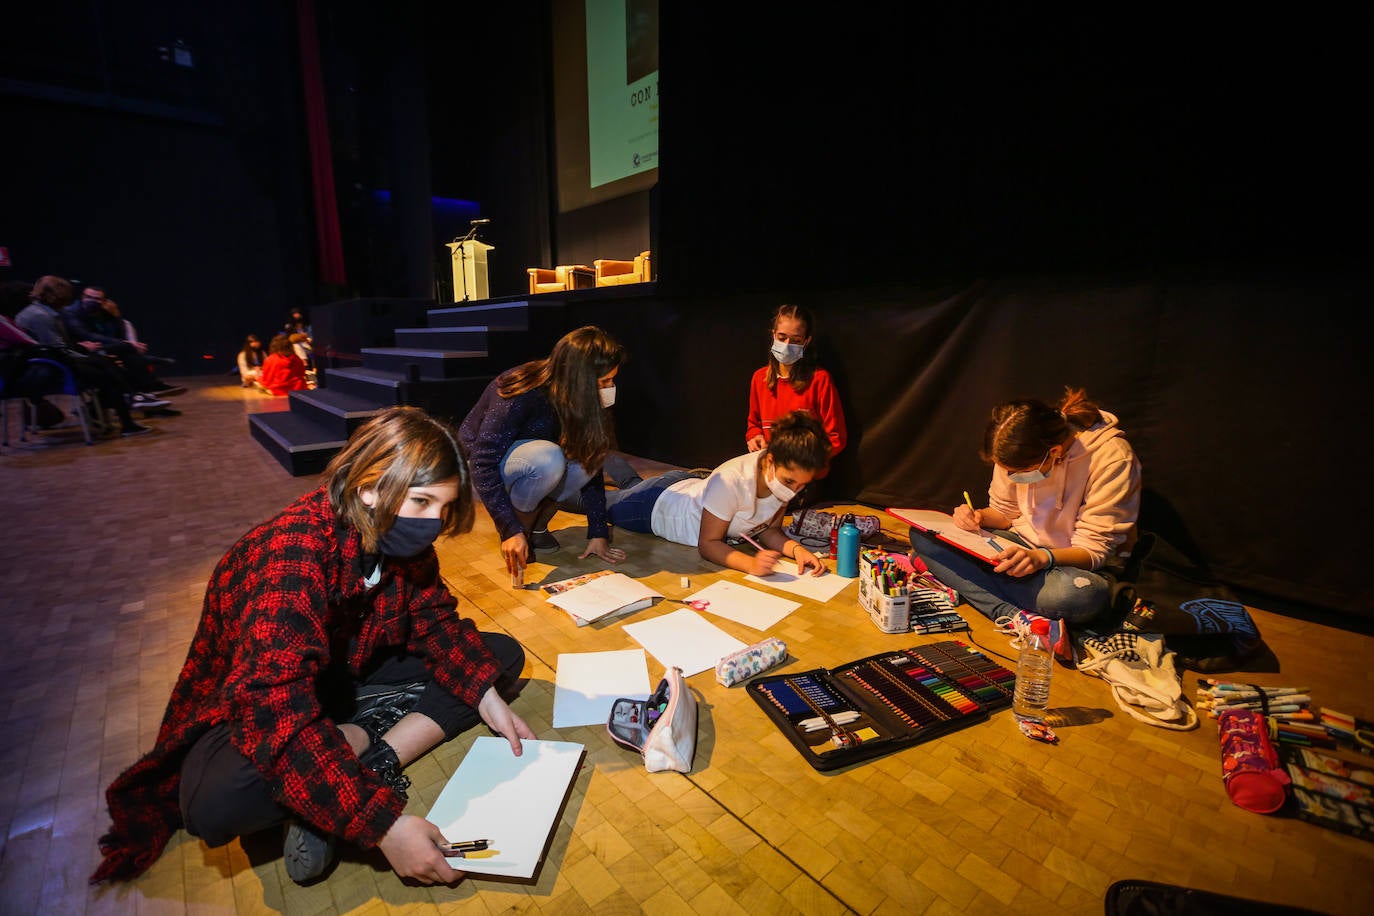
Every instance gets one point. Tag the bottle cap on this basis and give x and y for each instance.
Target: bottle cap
(1040, 627)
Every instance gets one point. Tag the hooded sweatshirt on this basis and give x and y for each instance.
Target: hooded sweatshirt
(1091, 498)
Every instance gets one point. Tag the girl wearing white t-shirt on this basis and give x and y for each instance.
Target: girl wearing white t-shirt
(744, 497)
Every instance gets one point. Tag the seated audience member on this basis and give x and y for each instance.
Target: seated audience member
(113, 323)
(297, 328)
(19, 377)
(745, 497)
(82, 320)
(250, 360)
(1066, 492)
(42, 322)
(282, 371)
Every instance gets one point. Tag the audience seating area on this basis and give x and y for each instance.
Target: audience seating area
(85, 404)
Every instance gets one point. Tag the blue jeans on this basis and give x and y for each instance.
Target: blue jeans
(633, 509)
(536, 469)
(1053, 593)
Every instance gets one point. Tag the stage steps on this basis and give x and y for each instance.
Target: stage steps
(442, 368)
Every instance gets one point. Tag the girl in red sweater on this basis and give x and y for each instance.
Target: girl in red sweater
(793, 381)
(282, 370)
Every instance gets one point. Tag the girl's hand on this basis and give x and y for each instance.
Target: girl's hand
(756, 443)
(516, 551)
(968, 519)
(1018, 561)
(411, 846)
(806, 560)
(602, 548)
(764, 562)
(498, 714)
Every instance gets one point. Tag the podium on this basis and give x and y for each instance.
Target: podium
(470, 270)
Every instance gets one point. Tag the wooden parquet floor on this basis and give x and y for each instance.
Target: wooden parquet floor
(108, 549)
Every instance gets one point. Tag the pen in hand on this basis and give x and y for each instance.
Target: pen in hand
(468, 849)
(752, 541)
(973, 513)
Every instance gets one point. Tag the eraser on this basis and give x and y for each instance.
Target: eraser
(686, 582)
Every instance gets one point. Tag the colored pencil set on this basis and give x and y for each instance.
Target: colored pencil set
(883, 703)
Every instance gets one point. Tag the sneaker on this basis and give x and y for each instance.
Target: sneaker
(1018, 627)
(141, 401)
(306, 852)
(543, 541)
(134, 429)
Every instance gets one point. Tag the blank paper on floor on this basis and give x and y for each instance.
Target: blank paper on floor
(818, 588)
(587, 684)
(684, 639)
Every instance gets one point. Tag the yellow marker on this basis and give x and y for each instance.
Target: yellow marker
(969, 501)
(476, 854)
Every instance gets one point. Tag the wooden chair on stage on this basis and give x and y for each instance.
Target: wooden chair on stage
(614, 273)
(561, 279)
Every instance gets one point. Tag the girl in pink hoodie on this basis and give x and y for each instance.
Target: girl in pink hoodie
(1065, 491)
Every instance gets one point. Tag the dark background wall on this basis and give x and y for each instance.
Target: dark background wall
(1162, 207)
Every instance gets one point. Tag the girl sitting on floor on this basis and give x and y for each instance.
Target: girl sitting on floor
(282, 370)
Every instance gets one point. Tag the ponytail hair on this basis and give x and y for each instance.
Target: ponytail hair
(799, 440)
(1019, 433)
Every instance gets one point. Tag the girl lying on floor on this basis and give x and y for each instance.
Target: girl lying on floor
(744, 497)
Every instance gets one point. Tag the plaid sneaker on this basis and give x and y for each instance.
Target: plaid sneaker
(1018, 627)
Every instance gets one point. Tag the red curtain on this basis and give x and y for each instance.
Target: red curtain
(328, 243)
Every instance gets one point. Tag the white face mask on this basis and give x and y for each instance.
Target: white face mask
(1027, 478)
(787, 353)
(607, 396)
(778, 489)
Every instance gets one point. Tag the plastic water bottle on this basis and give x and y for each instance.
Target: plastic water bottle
(1033, 670)
(847, 549)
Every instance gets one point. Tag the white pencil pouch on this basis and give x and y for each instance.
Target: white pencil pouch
(662, 728)
(749, 661)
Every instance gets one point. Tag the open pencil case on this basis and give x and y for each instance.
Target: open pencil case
(883, 703)
(663, 728)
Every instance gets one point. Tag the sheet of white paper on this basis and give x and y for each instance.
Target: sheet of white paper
(602, 596)
(684, 639)
(746, 605)
(817, 588)
(588, 683)
(511, 801)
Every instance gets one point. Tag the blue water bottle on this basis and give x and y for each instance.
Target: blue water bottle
(847, 549)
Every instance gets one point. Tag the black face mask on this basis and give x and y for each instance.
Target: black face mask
(409, 536)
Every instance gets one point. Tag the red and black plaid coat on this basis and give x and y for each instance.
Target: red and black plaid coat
(285, 603)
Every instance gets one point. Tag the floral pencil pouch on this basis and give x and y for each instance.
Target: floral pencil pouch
(749, 661)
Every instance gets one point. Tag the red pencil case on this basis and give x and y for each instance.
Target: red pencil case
(1249, 766)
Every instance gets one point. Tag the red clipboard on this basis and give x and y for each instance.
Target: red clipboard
(941, 525)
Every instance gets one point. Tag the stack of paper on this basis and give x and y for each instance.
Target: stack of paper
(600, 595)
